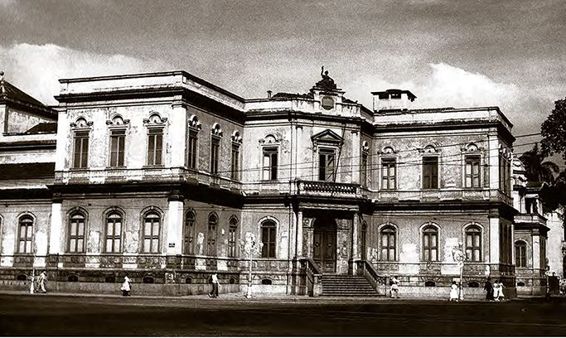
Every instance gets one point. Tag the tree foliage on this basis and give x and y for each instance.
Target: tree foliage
(553, 131)
(536, 169)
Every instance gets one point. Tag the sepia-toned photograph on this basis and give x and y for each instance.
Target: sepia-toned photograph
(276, 168)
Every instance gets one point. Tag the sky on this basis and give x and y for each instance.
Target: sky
(449, 53)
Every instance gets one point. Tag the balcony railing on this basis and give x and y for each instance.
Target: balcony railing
(530, 219)
(441, 195)
(333, 189)
(147, 174)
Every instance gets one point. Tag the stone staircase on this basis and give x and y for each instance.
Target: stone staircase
(347, 286)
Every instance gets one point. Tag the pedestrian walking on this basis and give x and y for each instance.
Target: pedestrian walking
(32, 283)
(42, 280)
(214, 292)
(488, 290)
(454, 292)
(395, 287)
(126, 286)
(498, 291)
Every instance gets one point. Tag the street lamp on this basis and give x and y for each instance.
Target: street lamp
(459, 258)
(250, 247)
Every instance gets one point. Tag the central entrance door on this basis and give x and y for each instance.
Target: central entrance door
(324, 246)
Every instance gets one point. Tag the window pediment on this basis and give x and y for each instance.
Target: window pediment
(327, 137)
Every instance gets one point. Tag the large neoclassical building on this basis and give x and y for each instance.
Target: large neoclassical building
(161, 176)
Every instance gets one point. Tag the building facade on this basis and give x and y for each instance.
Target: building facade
(163, 176)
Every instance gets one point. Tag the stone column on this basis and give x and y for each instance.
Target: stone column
(355, 238)
(56, 233)
(174, 240)
(494, 236)
(299, 237)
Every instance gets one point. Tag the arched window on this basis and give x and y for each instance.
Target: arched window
(211, 238)
(388, 236)
(473, 243)
(520, 254)
(76, 232)
(430, 244)
(25, 234)
(151, 229)
(268, 238)
(232, 235)
(189, 233)
(113, 232)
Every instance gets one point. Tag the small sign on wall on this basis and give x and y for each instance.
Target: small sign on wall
(171, 245)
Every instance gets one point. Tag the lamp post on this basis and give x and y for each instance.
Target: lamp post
(459, 258)
(250, 247)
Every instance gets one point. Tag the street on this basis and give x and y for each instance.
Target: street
(51, 315)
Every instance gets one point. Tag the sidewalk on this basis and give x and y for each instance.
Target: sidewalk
(240, 297)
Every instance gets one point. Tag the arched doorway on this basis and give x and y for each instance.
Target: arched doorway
(324, 244)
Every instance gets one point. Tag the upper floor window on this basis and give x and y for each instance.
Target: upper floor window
(189, 233)
(152, 225)
(430, 172)
(117, 146)
(473, 243)
(472, 172)
(155, 146)
(504, 171)
(388, 174)
(192, 141)
(235, 169)
(192, 146)
(268, 238)
(80, 153)
(270, 163)
(214, 153)
(211, 237)
(520, 254)
(113, 233)
(430, 243)
(155, 125)
(25, 234)
(232, 235)
(76, 232)
(364, 164)
(326, 165)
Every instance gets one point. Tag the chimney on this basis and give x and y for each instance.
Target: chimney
(269, 94)
(392, 99)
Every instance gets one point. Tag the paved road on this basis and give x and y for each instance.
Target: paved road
(41, 315)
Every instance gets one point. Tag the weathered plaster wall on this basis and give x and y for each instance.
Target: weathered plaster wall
(20, 121)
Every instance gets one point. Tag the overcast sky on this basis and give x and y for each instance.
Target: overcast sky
(447, 52)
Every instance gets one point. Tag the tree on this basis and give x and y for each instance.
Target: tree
(536, 169)
(553, 131)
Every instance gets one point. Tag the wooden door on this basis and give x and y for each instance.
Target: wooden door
(324, 247)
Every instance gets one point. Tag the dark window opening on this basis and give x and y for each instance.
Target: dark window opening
(73, 278)
(266, 281)
(110, 279)
(474, 284)
(148, 280)
(429, 283)
(520, 284)
(21, 277)
(189, 280)
(232, 281)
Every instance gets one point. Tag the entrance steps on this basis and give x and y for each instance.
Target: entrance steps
(347, 286)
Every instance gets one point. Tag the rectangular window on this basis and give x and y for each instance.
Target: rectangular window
(521, 254)
(117, 144)
(81, 150)
(192, 150)
(214, 152)
(504, 174)
(232, 241)
(430, 247)
(235, 169)
(388, 174)
(268, 240)
(430, 172)
(326, 165)
(76, 234)
(269, 164)
(155, 146)
(364, 171)
(472, 172)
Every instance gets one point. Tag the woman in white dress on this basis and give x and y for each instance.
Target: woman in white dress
(126, 287)
(497, 290)
(454, 292)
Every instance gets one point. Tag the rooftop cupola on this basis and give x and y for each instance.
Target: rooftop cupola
(392, 99)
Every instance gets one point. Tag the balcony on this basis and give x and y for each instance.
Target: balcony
(142, 175)
(328, 189)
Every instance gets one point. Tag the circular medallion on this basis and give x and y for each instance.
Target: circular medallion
(327, 102)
